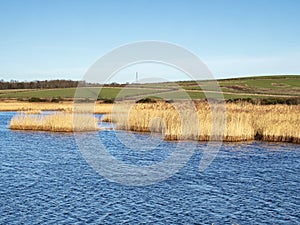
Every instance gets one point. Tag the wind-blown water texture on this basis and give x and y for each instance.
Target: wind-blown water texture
(44, 179)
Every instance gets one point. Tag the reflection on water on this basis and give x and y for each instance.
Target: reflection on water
(44, 179)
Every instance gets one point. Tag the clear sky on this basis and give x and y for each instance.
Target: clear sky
(49, 39)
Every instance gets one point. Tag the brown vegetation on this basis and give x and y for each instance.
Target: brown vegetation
(48, 106)
(176, 121)
(36, 111)
(243, 121)
(58, 122)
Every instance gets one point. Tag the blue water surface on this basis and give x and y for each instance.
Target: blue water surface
(45, 179)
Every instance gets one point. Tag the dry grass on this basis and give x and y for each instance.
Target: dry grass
(175, 121)
(47, 106)
(36, 111)
(107, 118)
(58, 122)
(243, 121)
(61, 122)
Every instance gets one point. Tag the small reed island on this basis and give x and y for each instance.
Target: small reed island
(57, 122)
(63, 118)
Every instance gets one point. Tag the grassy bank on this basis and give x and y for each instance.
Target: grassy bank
(244, 122)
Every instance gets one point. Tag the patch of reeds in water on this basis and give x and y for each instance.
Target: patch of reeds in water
(57, 122)
(242, 122)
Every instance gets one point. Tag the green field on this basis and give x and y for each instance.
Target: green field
(104, 93)
(249, 87)
(274, 85)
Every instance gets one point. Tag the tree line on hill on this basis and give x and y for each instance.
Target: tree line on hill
(13, 84)
(50, 84)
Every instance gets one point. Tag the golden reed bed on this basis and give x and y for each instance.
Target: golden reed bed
(48, 106)
(244, 122)
(57, 122)
(66, 120)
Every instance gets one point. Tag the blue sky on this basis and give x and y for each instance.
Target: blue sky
(61, 38)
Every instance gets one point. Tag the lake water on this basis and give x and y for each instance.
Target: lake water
(45, 179)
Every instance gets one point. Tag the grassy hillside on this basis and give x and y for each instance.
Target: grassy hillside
(106, 93)
(281, 85)
(247, 87)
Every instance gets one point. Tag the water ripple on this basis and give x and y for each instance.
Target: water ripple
(45, 180)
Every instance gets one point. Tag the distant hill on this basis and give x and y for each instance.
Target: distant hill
(258, 87)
